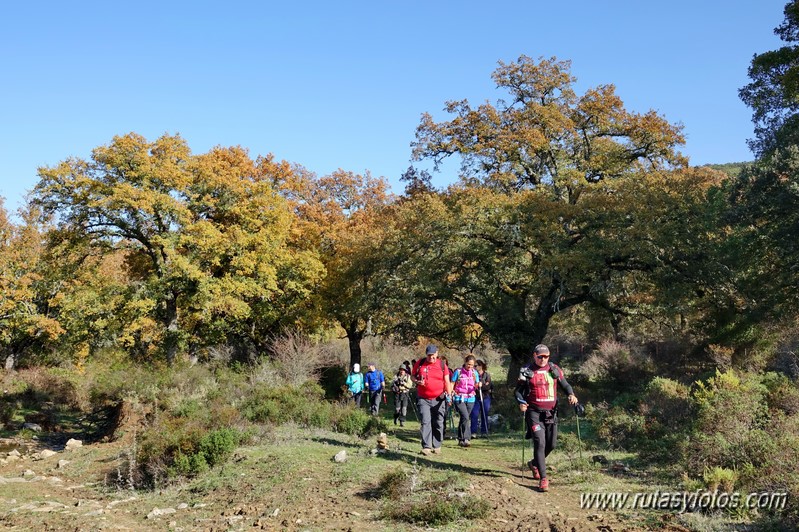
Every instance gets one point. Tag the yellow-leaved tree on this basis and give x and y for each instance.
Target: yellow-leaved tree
(207, 240)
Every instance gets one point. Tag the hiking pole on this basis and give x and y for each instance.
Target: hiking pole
(413, 404)
(578, 410)
(524, 430)
(483, 410)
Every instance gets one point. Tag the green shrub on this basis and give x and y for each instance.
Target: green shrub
(720, 478)
(730, 411)
(395, 484)
(617, 427)
(183, 449)
(350, 420)
(216, 446)
(437, 510)
(283, 404)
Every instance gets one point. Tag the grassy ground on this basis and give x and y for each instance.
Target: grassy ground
(286, 479)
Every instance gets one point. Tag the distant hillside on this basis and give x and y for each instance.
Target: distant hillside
(731, 169)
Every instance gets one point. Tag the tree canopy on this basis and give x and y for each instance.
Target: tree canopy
(206, 238)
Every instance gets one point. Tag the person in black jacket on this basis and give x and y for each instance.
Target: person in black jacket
(481, 409)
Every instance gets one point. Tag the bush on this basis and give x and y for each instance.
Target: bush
(730, 408)
(285, 403)
(395, 485)
(617, 427)
(183, 450)
(438, 511)
(618, 366)
(350, 420)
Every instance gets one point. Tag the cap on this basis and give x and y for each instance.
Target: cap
(356, 368)
(402, 368)
(430, 349)
(540, 349)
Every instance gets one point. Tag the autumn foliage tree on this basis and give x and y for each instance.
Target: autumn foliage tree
(344, 216)
(28, 294)
(205, 238)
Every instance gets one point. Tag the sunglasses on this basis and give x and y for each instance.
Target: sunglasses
(541, 357)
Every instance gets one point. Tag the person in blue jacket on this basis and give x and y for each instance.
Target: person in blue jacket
(374, 382)
(355, 384)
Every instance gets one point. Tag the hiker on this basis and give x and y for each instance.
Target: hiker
(401, 386)
(536, 392)
(467, 381)
(354, 384)
(374, 381)
(483, 400)
(433, 387)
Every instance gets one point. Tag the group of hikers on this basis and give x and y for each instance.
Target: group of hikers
(468, 390)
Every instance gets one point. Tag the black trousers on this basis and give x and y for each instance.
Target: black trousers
(400, 405)
(542, 428)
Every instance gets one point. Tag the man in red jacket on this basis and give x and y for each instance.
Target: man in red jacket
(433, 389)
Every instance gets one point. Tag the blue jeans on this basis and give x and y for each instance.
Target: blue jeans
(478, 417)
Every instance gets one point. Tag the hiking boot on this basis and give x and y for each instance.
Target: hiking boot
(543, 485)
(427, 451)
(437, 450)
(534, 469)
(402, 423)
(467, 443)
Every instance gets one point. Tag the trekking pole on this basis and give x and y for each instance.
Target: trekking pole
(413, 404)
(524, 430)
(579, 409)
(451, 420)
(483, 410)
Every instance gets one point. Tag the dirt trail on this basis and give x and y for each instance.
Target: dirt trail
(74, 491)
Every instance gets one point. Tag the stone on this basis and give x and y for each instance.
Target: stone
(32, 426)
(340, 457)
(72, 444)
(47, 453)
(62, 464)
(156, 512)
(382, 441)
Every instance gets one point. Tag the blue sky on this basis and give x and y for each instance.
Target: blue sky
(343, 84)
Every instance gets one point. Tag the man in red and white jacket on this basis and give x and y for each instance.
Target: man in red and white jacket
(536, 392)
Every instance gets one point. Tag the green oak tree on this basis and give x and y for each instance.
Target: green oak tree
(773, 93)
(564, 200)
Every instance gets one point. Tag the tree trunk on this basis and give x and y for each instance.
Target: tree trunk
(172, 337)
(354, 337)
(355, 349)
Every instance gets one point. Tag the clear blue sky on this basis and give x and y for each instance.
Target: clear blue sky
(343, 84)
